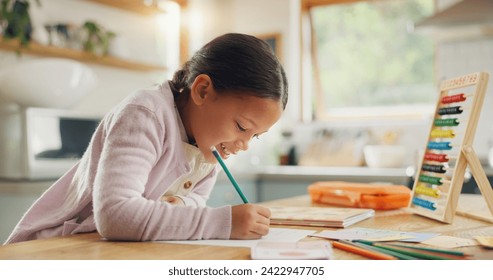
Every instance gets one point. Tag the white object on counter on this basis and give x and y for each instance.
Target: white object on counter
(385, 156)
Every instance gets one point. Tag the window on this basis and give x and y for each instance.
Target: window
(368, 61)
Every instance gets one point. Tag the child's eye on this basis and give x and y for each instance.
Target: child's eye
(242, 129)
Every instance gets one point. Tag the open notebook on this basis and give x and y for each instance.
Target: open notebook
(319, 216)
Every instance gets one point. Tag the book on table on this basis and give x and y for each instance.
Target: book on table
(318, 216)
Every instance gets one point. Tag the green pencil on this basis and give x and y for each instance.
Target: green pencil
(230, 176)
(409, 252)
(457, 253)
(399, 255)
(416, 253)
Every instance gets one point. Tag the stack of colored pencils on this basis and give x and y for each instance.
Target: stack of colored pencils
(393, 251)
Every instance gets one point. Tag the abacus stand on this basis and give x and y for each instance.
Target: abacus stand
(443, 206)
(482, 181)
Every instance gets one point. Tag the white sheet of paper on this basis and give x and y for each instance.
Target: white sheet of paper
(364, 233)
(275, 234)
(444, 241)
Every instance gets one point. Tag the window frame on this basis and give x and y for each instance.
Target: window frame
(309, 69)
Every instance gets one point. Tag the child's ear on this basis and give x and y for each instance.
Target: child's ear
(201, 89)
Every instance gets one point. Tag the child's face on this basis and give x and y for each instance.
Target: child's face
(229, 121)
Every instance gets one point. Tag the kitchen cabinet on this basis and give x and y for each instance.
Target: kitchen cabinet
(224, 193)
(278, 182)
(15, 198)
(464, 20)
(471, 186)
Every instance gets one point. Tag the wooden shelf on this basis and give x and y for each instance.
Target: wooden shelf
(136, 6)
(51, 51)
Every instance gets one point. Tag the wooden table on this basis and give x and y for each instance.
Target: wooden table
(92, 246)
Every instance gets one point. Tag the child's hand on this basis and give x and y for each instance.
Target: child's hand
(172, 199)
(249, 221)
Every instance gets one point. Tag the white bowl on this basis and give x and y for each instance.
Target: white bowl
(47, 82)
(384, 156)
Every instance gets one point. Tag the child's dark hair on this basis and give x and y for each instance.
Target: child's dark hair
(235, 62)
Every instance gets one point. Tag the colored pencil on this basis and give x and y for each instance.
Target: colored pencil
(352, 248)
(450, 252)
(426, 255)
(416, 253)
(399, 255)
(230, 176)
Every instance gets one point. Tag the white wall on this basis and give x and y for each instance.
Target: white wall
(463, 57)
(469, 55)
(207, 19)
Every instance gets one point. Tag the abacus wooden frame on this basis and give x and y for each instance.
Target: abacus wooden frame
(466, 157)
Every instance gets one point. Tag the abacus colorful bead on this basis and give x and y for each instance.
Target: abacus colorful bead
(433, 168)
(450, 110)
(430, 180)
(454, 98)
(436, 157)
(441, 133)
(424, 203)
(439, 146)
(446, 122)
(420, 189)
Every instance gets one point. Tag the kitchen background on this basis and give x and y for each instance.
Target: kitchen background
(154, 40)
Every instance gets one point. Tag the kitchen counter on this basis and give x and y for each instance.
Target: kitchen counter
(268, 173)
(317, 173)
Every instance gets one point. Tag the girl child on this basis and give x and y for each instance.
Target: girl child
(148, 170)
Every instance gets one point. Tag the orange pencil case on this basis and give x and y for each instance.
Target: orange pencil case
(374, 196)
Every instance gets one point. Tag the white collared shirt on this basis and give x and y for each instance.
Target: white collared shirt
(199, 168)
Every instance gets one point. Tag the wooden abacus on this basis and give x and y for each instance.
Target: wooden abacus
(448, 153)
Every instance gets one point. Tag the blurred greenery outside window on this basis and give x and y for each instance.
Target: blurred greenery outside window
(368, 61)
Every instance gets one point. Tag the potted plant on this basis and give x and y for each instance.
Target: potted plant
(95, 38)
(15, 20)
